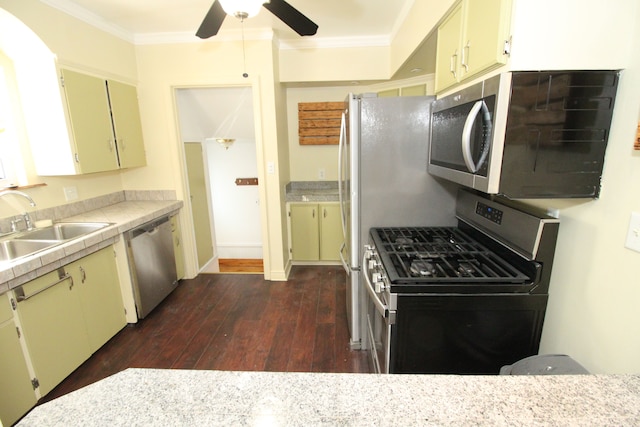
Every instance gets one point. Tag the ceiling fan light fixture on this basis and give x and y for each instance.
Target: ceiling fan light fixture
(242, 9)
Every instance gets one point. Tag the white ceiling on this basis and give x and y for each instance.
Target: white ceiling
(140, 20)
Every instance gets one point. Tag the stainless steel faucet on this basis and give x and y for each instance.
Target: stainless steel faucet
(25, 215)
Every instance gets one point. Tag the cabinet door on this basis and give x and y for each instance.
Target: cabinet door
(305, 242)
(177, 246)
(126, 122)
(486, 29)
(96, 278)
(16, 392)
(54, 330)
(330, 231)
(90, 119)
(448, 50)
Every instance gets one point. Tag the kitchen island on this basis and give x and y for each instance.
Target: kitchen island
(144, 397)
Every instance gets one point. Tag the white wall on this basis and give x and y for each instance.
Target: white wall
(594, 306)
(236, 208)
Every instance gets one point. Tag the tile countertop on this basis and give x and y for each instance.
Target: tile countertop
(124, 216)
(147, 397)
(312, 191)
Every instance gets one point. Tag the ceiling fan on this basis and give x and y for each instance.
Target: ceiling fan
(243, 9)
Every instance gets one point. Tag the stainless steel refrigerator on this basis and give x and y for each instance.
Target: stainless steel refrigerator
(383, 181)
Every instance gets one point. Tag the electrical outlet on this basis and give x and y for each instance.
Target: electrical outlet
(70, 193)
(321, 173)
(633, 235)
(271, 168)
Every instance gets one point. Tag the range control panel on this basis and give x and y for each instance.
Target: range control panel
(489, 212)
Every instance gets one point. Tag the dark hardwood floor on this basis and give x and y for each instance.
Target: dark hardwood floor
(236, 322)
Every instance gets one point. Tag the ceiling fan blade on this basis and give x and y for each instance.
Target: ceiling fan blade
(212, 21)
(292, 17)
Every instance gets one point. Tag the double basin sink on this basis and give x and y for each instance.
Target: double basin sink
(22, 244)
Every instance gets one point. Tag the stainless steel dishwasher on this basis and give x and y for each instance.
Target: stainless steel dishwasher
(152, 264)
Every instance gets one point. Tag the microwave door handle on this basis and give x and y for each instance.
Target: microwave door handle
(466, 137)
(486, 134)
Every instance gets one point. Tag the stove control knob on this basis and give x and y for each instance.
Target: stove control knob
(376, 277)
(378, 286)
(372, 264)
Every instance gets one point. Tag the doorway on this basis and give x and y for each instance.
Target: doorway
(221, 120)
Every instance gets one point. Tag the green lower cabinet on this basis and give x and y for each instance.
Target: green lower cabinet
(97, 280)
(177, 245)
(330, 231)
(316, 231)
(67, 314)
(50, 312)
(305, 239)
(16, 390)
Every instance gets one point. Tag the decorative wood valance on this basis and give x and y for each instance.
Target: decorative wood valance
(319, 122)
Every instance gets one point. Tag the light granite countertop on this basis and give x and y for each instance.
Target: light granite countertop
(312, 191)
(152, 397)
(124, 216)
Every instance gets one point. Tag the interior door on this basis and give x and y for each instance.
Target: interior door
(199, 204)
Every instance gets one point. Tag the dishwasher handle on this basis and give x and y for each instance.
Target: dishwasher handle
(148, 228)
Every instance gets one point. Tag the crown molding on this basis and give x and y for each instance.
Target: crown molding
(190, 37)
(90, 18)
(97, 21)
(335, 42)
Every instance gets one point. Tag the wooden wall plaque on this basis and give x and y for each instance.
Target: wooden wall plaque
(319, 122)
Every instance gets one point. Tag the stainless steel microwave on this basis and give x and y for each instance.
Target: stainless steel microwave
(537, 134)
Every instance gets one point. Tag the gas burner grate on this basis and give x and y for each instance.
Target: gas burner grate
(441, 254)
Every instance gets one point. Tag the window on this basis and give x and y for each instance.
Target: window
(9, 144)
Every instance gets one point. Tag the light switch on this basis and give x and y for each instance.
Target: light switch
(633, 235)
(70, 193)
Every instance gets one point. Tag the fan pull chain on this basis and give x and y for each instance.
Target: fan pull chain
(244, 55)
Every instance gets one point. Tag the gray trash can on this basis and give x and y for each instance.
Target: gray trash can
(544, 364)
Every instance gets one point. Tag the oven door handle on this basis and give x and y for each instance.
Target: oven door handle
(382, 309)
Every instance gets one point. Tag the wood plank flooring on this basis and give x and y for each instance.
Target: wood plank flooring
(236, 322)
(234, 265)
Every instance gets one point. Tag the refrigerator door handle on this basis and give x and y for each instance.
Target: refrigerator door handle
(341, 146)
(345, 265)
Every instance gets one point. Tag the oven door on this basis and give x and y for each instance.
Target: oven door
(380, 318)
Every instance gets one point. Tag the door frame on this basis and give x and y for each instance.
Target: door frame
(188, 232)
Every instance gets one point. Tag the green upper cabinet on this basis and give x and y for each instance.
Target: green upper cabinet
(471, 40)
(105, 132)
(126, 123)
(90, 121)
(448, 49)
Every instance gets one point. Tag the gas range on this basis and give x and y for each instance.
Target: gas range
(465, 299)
